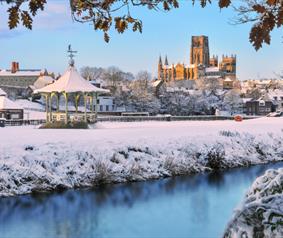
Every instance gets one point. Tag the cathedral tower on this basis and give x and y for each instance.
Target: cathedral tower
(160, 69)
(199, 51)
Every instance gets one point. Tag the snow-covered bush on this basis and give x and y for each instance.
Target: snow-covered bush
(48, 165)
(261, 213)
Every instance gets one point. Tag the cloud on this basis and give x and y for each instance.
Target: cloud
(54, 16)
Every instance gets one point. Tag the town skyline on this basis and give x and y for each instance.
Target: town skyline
(46, 45)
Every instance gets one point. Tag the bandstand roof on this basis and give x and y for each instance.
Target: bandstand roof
(71, 82)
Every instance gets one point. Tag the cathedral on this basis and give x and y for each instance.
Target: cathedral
(201, 64)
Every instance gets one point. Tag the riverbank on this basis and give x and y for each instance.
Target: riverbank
(33, 160)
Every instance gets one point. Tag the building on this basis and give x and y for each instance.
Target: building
(16, 82)
(261, 107)
(106, 104)
(9, 109)
(228, 83)
(277, 97)
(201, 65)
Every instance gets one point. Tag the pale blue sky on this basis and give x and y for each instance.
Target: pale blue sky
(164, 33)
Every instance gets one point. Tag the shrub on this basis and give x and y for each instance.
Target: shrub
(63, 125)
(215, 157)
(229, 133)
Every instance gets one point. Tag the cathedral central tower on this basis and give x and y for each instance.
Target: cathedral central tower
(199, 51)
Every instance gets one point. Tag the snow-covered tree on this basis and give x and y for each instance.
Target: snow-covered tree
(233, 102)
(92, 73)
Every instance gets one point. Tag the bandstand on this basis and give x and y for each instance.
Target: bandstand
(71, 85)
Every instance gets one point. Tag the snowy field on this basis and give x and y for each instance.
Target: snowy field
(37, 160)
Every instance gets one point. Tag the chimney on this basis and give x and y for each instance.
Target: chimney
(13, 67)
(17, 66)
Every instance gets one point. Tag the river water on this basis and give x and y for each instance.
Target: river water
(186, 206)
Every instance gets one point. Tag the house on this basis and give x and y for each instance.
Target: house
(261, 106)
(277, 96)
(106, 104)
(9, 109)
(228, 83)
(16, 82)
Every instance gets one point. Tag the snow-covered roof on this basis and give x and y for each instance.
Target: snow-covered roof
(190, 66)
(246, 100)
(211, 69)
(276, 93)
(2, 93)
(20, 73)
(156, 83)
(42, 81)
(70, 82)
(6, 103)
(228, 80)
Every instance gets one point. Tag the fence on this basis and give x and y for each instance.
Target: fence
(167, 118)
(134, 119)
(23, 122)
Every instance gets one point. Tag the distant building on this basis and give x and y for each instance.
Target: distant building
(9, 109)
(106, 104)
(201, 65)
(228, 83)
(277, 97)
(261, 107)
(16, 82)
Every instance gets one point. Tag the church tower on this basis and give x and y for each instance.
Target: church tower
(160, 69)
(199, 51)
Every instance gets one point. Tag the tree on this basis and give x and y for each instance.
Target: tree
(233, 101)
(103, 14)
(92, 73)
(140, 85)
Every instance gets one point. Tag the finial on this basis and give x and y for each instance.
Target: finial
(71, 55)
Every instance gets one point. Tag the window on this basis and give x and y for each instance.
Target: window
(15, 116)
(101, 108)
(107, 108)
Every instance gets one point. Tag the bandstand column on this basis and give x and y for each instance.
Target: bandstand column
(66, 105)
(50, 103)
(46, 105)
(92, 106)
(96, 105)
(57, 103)
(85, 99)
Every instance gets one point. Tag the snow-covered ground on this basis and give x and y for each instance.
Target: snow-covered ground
(35, 160)
(261, 213)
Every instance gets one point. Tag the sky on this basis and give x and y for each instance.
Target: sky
(164, 33)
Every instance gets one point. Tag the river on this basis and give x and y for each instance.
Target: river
(186, 206)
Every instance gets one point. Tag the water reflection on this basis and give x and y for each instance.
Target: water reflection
(171, 207)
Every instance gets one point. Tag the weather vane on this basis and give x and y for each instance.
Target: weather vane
(71, 55)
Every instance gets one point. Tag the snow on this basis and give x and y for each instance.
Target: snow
(21, 73)
(29, 105)
(211, 69)
(71, 82)
(41, 160)
(6, 103)
(261, 213)
(2, 93)
(42, 81)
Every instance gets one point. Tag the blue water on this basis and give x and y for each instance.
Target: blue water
(187, 206)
